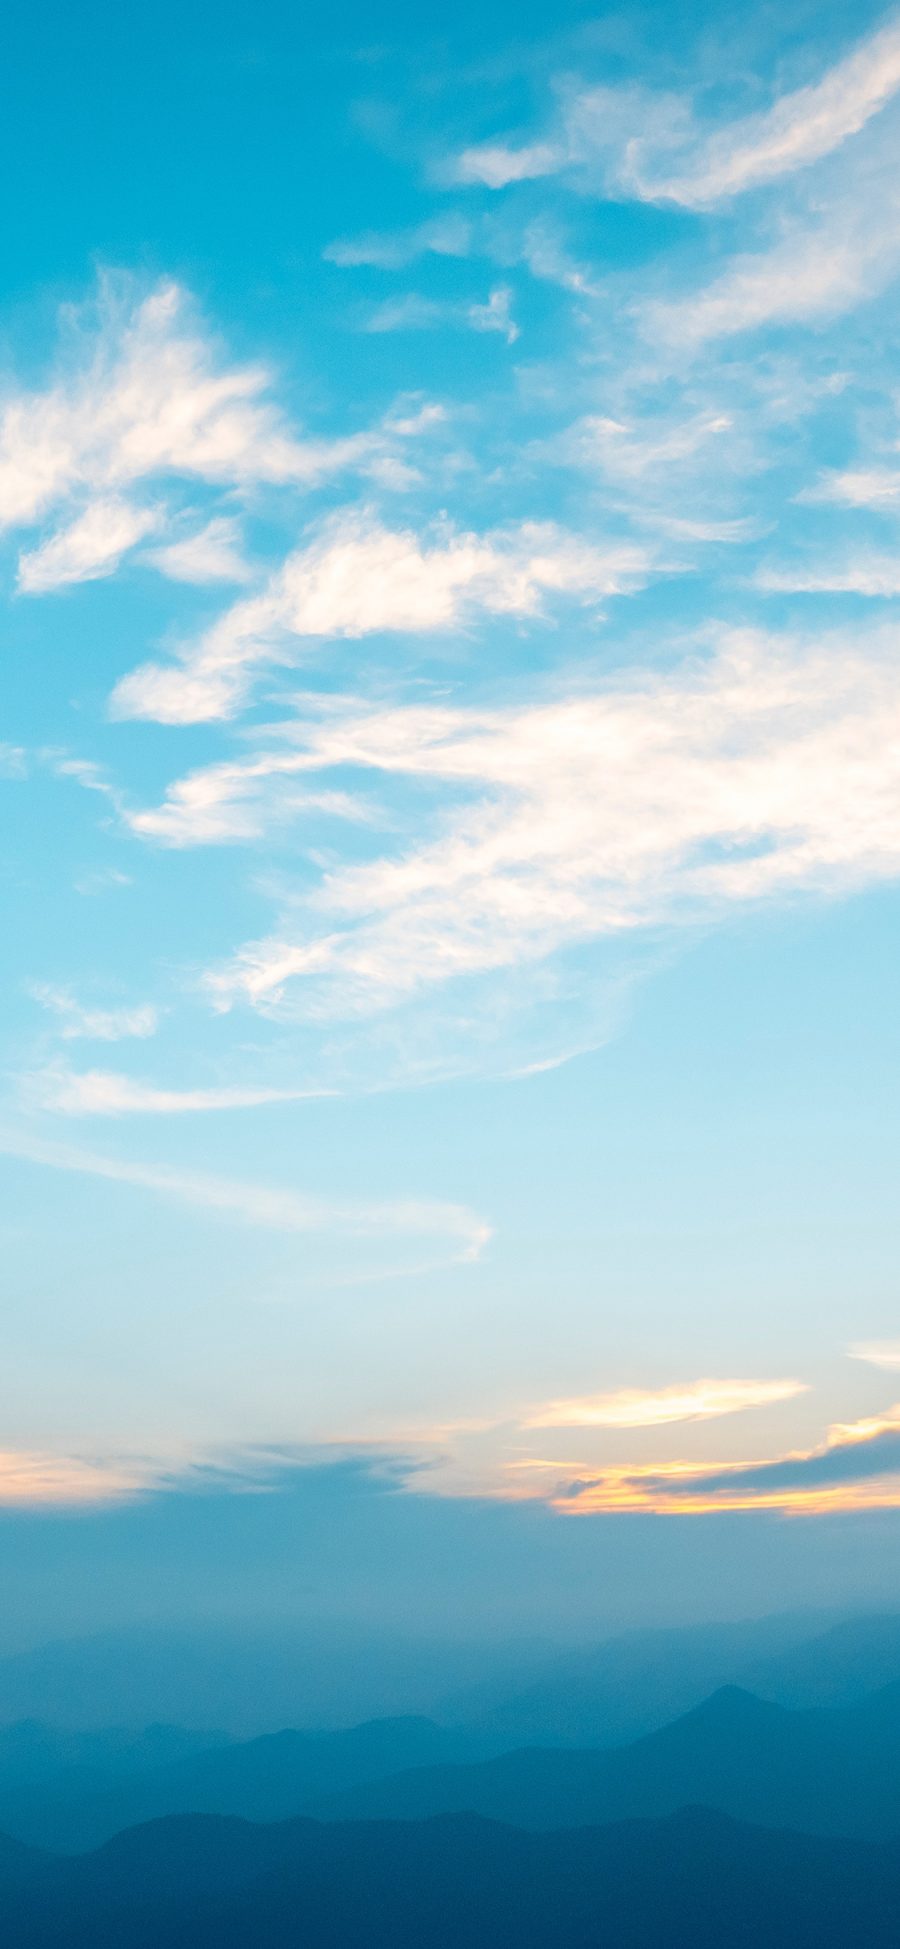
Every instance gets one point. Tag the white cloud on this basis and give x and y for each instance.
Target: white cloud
(877, 1353)
(770, 769)
(650, 147)
(409, 313)
(30, 1478)
(869, 487)
(90, 547)
(358, 577)
(100, 879)
(95, 1024)
(496, 165)
(504, 240)
(212, 554)
(810, 274)
(146, 392)
(414, 313)
(13, 763)
(867, 574)
(104, 1093)
(449, 235)
(701, 1400)
(495, 315)
(240, 800)
(799, 129)
(540, 247)
(280, 1210)
(629, 450)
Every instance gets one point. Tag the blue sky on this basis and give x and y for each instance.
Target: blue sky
(450, 756)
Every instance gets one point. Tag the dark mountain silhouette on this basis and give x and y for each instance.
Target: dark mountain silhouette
(697, 1881)
(267, 1779)
(823, 1772)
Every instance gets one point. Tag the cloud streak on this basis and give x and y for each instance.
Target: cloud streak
(357, 577)
(768, 770)
(649, 146)
(93, 546)
(815, 272)
(278, 1209)
(857, 1467)
(703, 1400)
(877, 1353)
(32, 1479)
(94, 1024)
(144, 392)
(211, 554)
(799, 129)
(106, 1093)
(414, 313)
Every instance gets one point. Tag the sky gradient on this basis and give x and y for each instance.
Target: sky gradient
(450, 770)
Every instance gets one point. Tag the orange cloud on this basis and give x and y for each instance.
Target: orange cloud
(857, 1467)
(29, 1478)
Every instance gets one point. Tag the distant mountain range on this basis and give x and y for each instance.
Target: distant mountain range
(32, 1753)
(267, 1779)
(696, 1881)
(611, 1693)
(760, 1815)
(825, 1772)
(246, 1682)
(829, 1772)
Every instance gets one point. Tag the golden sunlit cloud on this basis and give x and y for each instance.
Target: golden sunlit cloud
(634, 1408)
(857, 1467)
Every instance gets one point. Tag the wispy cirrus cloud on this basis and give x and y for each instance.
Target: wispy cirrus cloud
(681, 472)
(358, 577)
(279, 1209)
(77, 1020)
(142, 391)
(629, 451)
(414, 313)
(877, 1353)
(768, 769)
(13, 762)
(865, 573)
(862, 487)
(496, 164)
(31, 1478)
(107, 1093)
(240, 800)
(703, 1400)
(447, 235)
(536, 243)
(651, 146)
(800, 128)
(68, 1480)
(212, 553)
(816, 271)
(91, 547)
